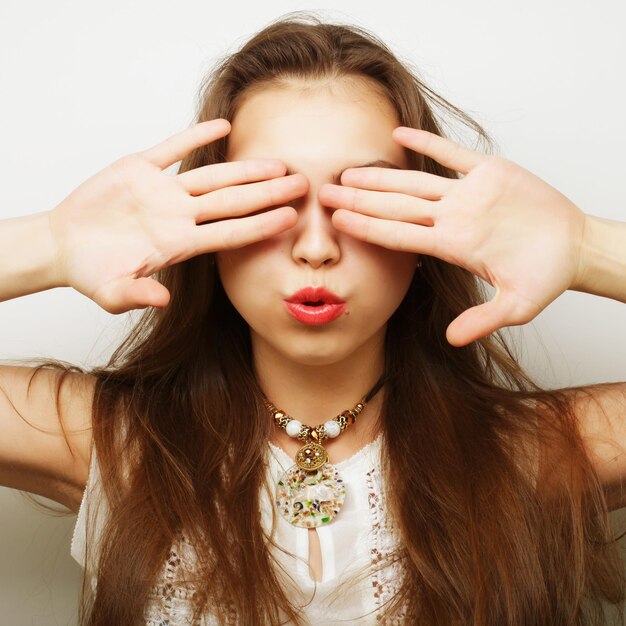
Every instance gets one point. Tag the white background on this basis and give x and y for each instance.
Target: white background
(84, 83)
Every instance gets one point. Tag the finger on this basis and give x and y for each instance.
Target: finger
(242, 199)
(441, 149)
(211, 177)
(386, 233)
(482, 320)
(178, 146)
(235, 233)
(125, 294)
(411, 182)
(388, 205)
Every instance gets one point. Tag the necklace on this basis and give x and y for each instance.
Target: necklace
(311, 492)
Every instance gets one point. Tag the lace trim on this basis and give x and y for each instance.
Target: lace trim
(387, 581)
(171, 600)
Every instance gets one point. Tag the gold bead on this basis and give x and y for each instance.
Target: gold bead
(349, 417)
(321, 432)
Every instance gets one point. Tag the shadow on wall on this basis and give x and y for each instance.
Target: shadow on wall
(39, 580)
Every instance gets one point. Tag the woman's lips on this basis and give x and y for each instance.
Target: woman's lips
(315, 305)
(321, 314)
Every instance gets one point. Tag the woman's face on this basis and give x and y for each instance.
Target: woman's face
(317, 133)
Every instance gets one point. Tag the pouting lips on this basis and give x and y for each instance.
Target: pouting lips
(315, 312)
(314, 296)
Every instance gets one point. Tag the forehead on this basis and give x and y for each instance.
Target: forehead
(331, 123)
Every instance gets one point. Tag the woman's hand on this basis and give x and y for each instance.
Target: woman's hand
(499, 221)
(131, 219)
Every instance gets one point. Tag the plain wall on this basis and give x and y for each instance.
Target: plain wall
(84, 83)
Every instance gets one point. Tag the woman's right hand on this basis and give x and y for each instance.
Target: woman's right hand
(131, 219)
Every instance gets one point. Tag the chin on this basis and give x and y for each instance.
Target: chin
(317, 360)
(313, 357)
(314, 352)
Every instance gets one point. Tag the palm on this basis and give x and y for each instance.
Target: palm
(131, 219)
(499, 221)
(523, 243)
(129, 238)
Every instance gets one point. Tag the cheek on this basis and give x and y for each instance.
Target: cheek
(231, 269)
(381, 280)
(235, 265)
(394, 268)
(243, 273)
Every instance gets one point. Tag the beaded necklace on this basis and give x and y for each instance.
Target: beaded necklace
(311, 492)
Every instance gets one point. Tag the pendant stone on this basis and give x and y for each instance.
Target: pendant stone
(311, 492)
(311, 456)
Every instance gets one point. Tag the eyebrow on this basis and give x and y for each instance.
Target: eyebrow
(336, 177)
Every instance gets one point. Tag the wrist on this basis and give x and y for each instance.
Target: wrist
(52, 255)
(28, 256)
(602, 260)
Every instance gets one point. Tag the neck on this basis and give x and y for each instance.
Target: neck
(313, 393)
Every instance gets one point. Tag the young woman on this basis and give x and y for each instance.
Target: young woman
(316, 419)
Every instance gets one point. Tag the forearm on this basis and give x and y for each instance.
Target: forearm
(603, 259)
(28, 257)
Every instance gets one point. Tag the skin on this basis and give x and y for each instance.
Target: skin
(498, 221)
(315, 372)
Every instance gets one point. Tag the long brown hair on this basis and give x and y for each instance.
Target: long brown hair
(493, 528)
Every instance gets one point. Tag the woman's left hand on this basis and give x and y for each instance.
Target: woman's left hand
(499, 221)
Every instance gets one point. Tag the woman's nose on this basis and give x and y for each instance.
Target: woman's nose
(315, 237)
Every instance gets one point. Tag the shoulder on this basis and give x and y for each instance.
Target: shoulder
(600, 412)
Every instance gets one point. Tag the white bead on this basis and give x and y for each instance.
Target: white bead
(293, 428)
(332, 428)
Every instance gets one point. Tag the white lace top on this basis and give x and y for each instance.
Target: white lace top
(358, 537)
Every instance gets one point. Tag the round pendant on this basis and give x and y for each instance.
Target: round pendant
(311, 456)
(309, 499)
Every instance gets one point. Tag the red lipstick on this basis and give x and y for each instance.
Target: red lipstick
(315, 305)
